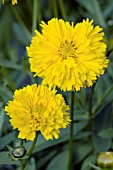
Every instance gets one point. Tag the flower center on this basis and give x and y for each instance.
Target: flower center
(37, 113)
(39, 109)
(67, 49)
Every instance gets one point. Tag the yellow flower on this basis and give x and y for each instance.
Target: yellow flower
(13, 2)
(38, 109)
(68, 56)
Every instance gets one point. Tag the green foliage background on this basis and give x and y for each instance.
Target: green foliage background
(92, 133)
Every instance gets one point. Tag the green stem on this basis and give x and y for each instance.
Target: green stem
(62, 9)
(29, 6)
(39, 14)
(34, 21)
(29, 152)
(16, 14)
(22, 166)
(50, 5)
(71, 133)
(55, 8)
(90, 108)
(37, 17)
(91, 99)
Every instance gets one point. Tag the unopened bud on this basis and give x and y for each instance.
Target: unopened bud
(18, 152)
(105, 160)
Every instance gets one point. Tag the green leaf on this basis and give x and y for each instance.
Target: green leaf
(87, 5)
(99, 91)
(94, 10)
(1, 105)
(108, 9)
(46, 158)
(7, 139)
(81, 115)
(5, 159)
(6, 91)
(90, 159)
(60, 162)
(107, 133)
(98, 13)
(81, 151)
(80, 100)
(82, 135)
(110, 71)
(5, 94)
(20, 34)
(104, 101)
(31, 164)
(5, 27)
(2, 115)
(10, 64)
(96, 167)
(105, 118)
(20, 78)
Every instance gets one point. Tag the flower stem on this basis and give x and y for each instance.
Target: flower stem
(62, 9)
(55, 8)
(90, 100)
(71, 133)
(34, 21)
(29, 152)
(36, 14)
(22, 167)
(90, 107)
(29, 6)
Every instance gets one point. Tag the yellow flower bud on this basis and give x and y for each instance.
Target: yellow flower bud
(105, 160)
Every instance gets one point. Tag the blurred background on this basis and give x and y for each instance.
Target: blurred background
(92, 133)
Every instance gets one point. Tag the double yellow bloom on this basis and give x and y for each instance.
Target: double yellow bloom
(38, 108)
(67, 56)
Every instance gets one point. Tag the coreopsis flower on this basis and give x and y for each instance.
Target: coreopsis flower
(38, 109)
(68, 56)
(13, 2)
